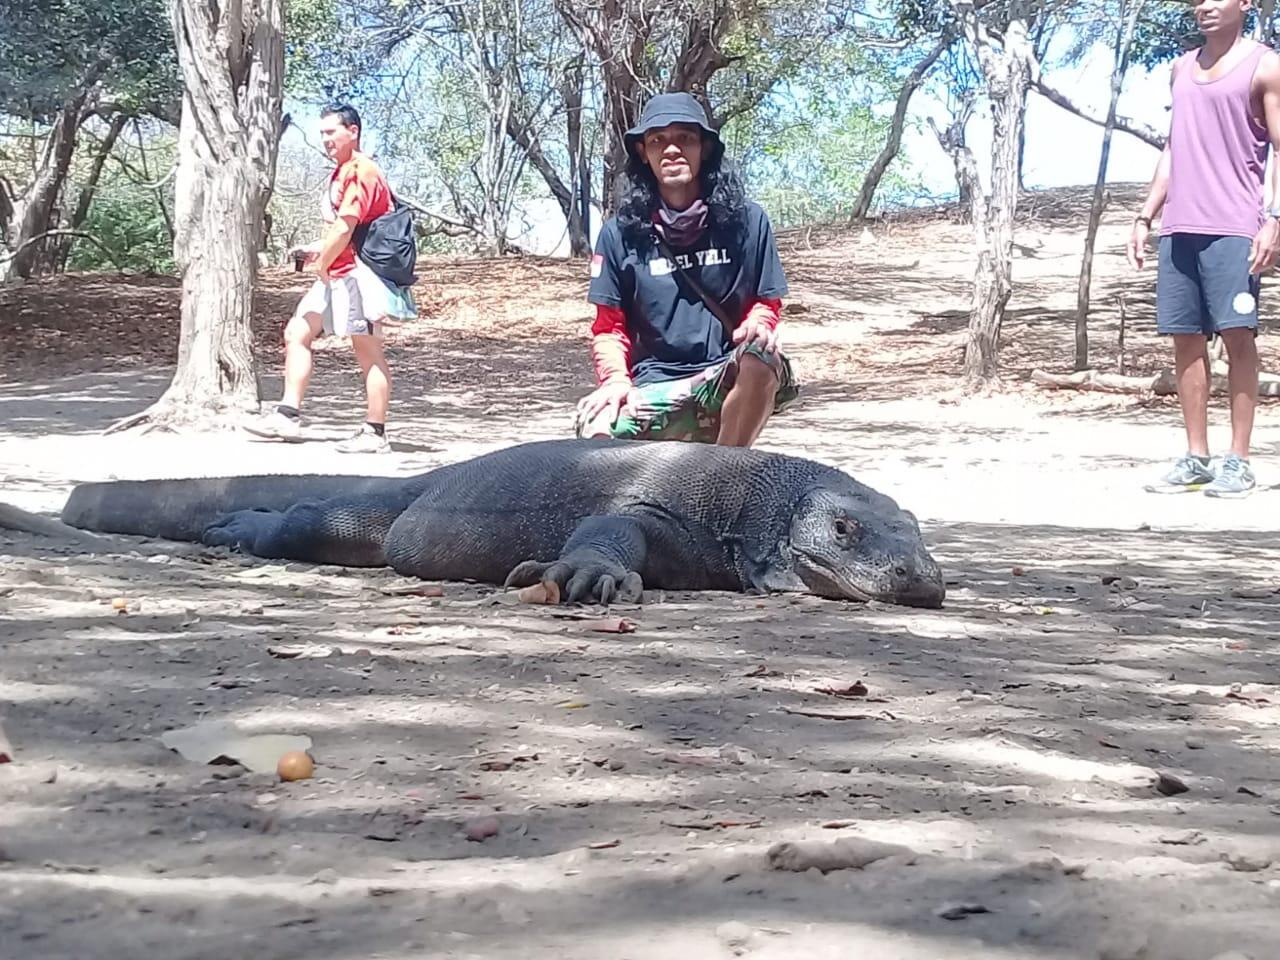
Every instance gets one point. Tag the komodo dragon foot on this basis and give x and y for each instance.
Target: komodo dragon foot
(581, 576)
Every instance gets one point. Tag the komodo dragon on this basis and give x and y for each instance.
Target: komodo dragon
(603, 519)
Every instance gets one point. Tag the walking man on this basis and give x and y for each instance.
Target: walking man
(1215, 238)
(347, 298)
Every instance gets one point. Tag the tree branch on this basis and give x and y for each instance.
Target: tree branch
(1144, 133)
(68, 233)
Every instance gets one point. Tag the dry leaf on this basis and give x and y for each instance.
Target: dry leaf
(414, 590)
(855, 689)
(301, 651)
(610, 625)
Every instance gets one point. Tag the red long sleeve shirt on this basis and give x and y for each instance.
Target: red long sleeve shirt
(611, 345)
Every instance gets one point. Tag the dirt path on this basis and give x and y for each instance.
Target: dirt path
(1095, 638)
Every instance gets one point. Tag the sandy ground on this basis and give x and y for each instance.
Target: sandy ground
(1095, 638)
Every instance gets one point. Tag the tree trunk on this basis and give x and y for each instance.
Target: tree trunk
(1124, 41)
(1265, 29)
(871, 182)
(615, 33)
(85, 200)
(37, 209)
(1007, 65)
(232, 60)
(579, 213)
(971, 201)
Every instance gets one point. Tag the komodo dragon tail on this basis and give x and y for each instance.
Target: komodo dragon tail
(181, 509)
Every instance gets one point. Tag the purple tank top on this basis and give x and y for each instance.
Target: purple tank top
(1218, 153)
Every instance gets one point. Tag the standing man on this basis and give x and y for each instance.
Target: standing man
(1215, 241)
(347, 298)
(688, 289)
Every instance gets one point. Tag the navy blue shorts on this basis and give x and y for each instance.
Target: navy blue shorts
(1204, 285)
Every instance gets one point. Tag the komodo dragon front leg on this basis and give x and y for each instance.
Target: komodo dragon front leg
(613, 556)
(602, 560)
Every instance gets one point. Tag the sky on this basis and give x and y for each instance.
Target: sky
(1062, 149)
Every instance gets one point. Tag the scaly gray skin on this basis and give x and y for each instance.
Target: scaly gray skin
(600, 518)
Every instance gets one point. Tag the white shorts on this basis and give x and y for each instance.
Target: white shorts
(356, 304)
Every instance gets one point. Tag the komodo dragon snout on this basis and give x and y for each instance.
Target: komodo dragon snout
(855, 544)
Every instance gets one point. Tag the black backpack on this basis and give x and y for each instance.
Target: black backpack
(388, 246)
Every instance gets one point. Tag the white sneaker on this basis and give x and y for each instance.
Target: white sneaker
(276, 426)
(365, 440)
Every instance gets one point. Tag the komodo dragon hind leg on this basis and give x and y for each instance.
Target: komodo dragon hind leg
(348, 531)
(601, 561)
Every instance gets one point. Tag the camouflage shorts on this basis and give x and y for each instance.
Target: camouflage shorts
(689, 409)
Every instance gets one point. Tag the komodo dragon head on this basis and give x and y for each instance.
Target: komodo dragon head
(849, 542)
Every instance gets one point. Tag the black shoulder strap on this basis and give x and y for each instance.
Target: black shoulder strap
(714, 305)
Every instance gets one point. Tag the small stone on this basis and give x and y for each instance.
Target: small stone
(1195, 743)
(733, 933)
(1233, 955)
(265, 799)
(327, 876)
(1246, 862)
(958, 911)
(479, 829)
(1183, 838)
(1120, 583)
(221, 772)
(1169, 785)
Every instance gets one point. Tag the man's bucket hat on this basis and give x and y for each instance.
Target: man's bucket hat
(668, 108)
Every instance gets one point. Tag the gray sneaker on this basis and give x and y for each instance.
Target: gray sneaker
(276, 426)
(1234, 479)
(1189, 474)
(365, 440)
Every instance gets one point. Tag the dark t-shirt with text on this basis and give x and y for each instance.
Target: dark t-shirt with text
(674, 334)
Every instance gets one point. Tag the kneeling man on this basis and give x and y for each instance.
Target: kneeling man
(688, 289)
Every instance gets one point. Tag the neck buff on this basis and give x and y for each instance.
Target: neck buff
(681, 228)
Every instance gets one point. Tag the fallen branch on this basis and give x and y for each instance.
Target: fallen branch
(837, 714)
(1162, 384)
(67, 233)
(847, 853)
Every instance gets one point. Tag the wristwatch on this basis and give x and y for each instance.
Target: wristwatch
(1145, 221)
(1273, 211)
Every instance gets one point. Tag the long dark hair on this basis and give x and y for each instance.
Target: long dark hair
(722, 189)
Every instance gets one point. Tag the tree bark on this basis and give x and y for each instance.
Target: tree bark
(1124, 41)
(231, 54)
(579, 212)
(1007, 65)
(1266, 25)
(37, 208)
(871, 182)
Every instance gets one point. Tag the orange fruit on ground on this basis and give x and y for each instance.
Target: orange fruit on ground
(295, 765)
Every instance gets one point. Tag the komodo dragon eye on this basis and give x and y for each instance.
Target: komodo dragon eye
(846, 528)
